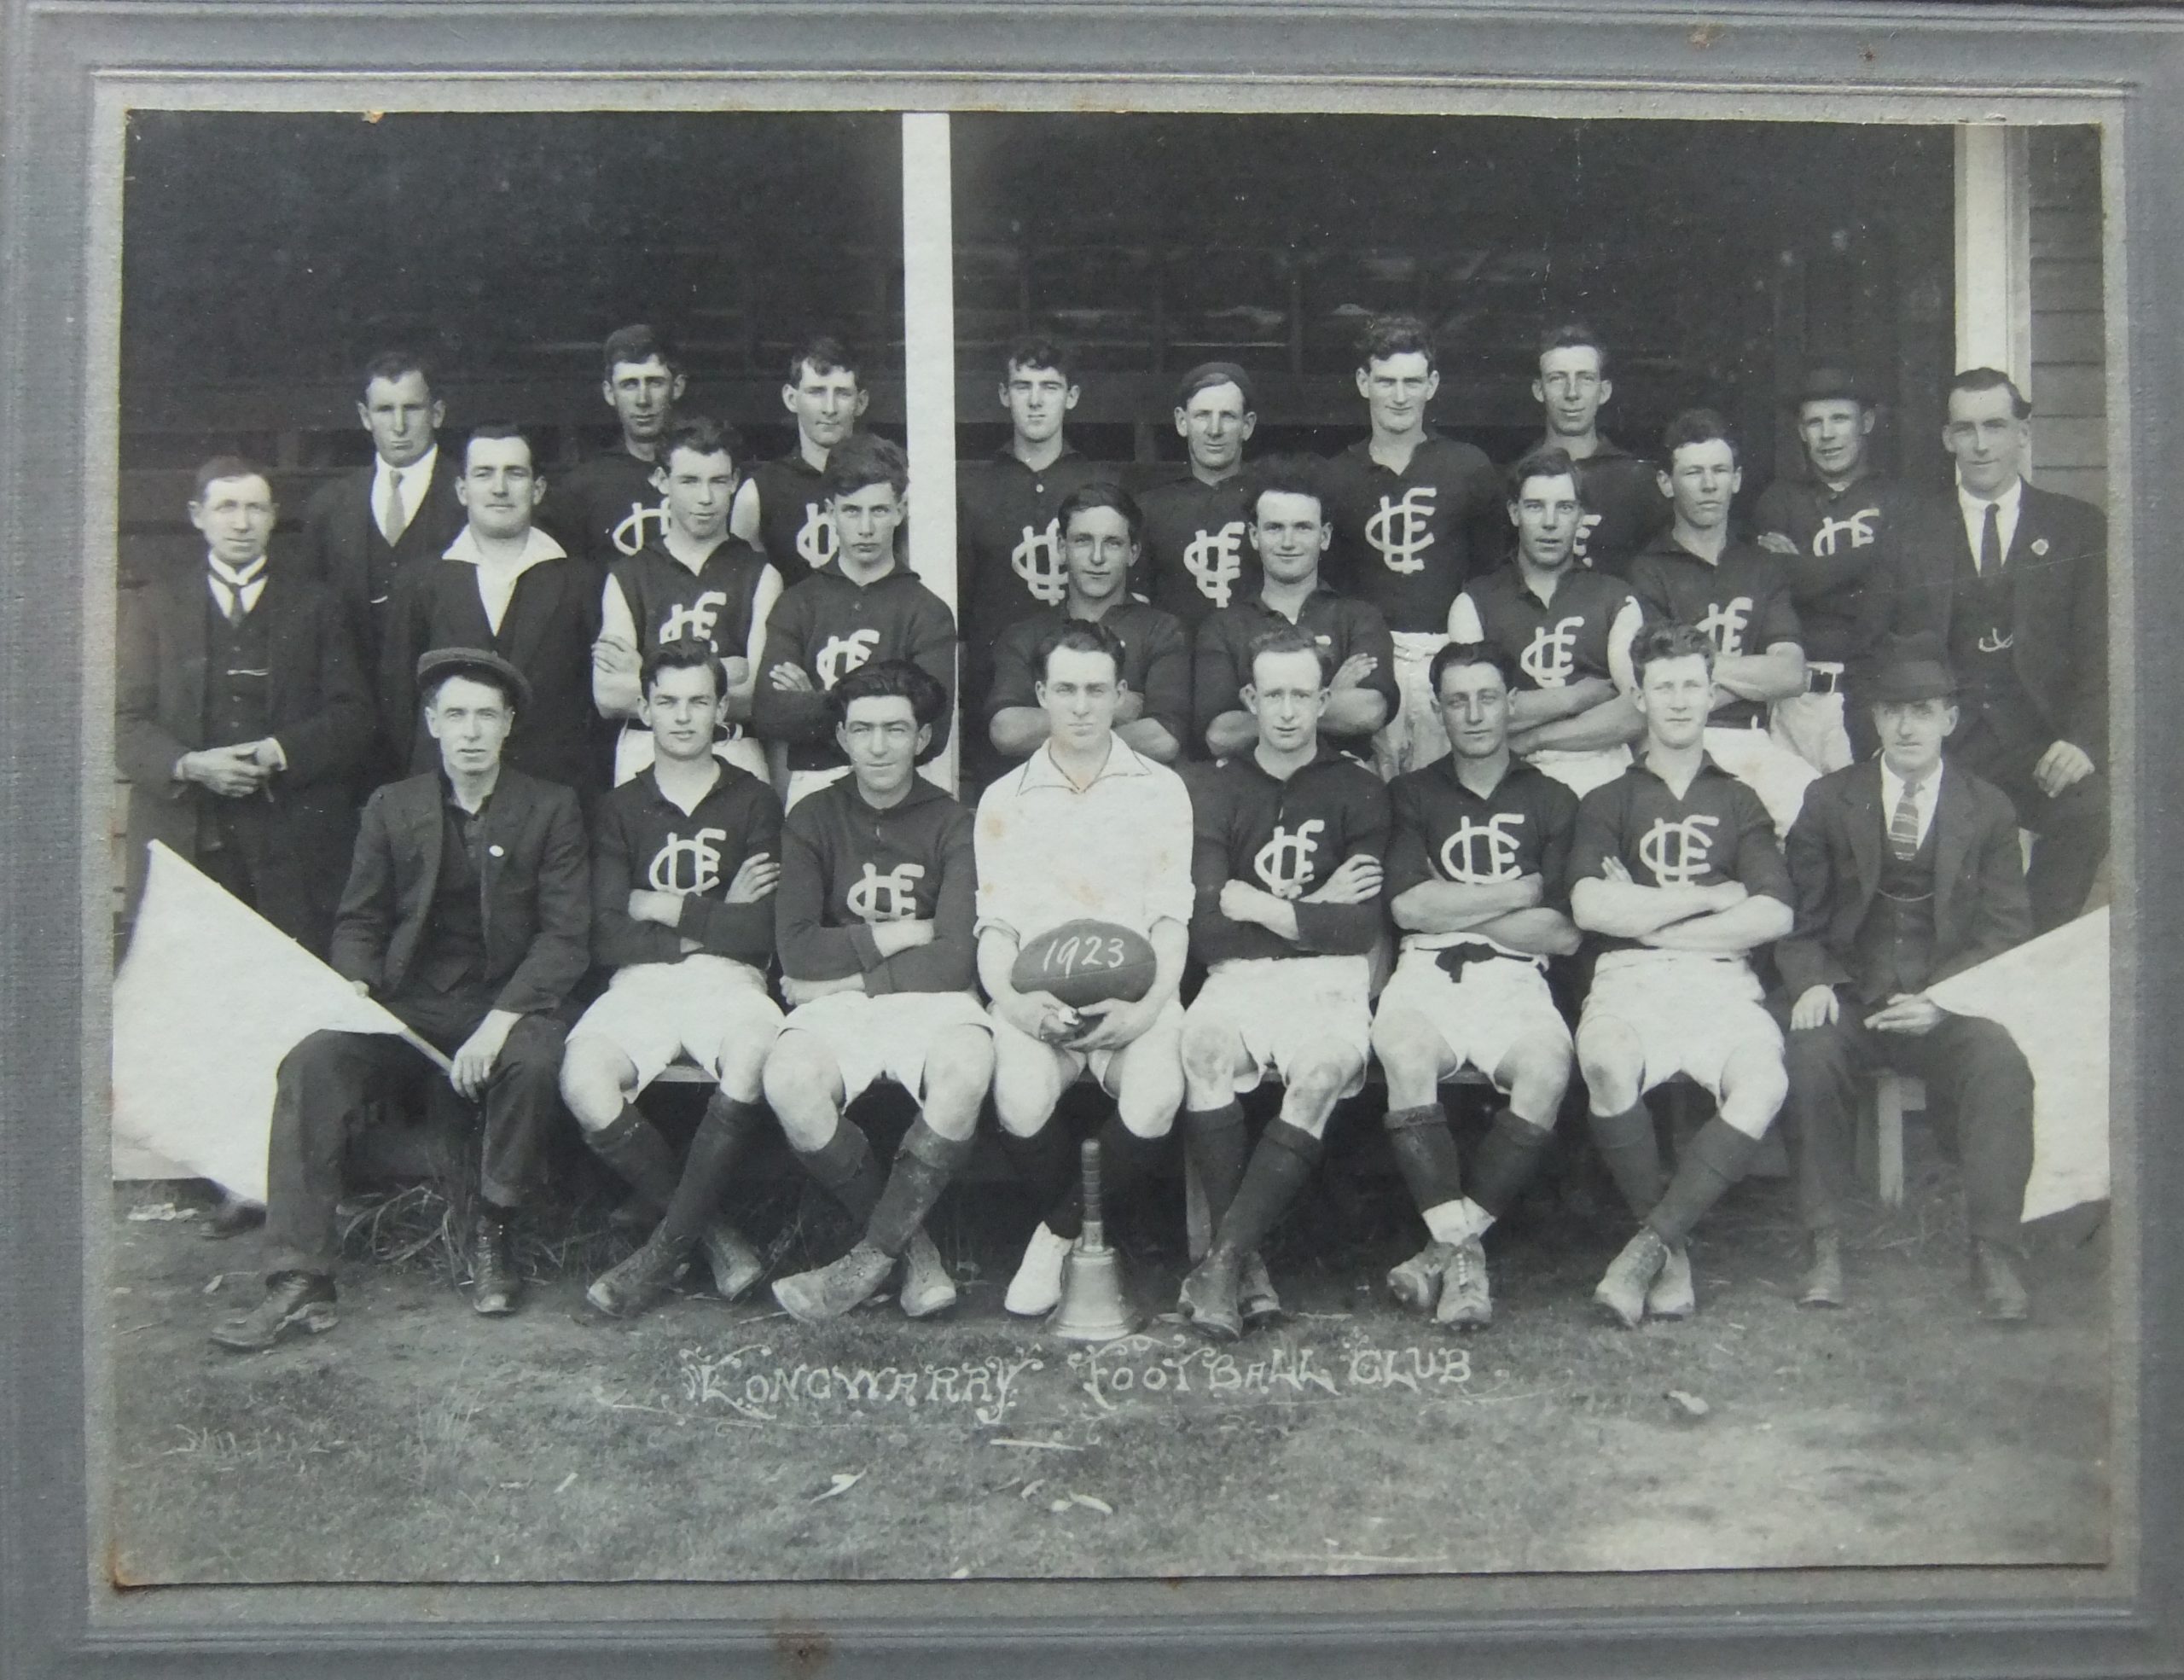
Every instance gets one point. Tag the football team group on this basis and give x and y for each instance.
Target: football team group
(1289, 767)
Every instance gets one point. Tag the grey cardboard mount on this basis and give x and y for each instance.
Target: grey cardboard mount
(69, 71)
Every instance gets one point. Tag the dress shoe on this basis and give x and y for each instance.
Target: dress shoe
(821, 1296)
(296, 1304)
(1672, 1294)
(642, 1281)
(734, 1263)
(495, 1285)
(1417, 1281)
(1255, 1297)
(232, 1218)
(1823, 1279)
(1466, 1299)
(1036, 1290)
(1208, 1300)
(1621, 1293)
(927, 1289)
(2002, 1296)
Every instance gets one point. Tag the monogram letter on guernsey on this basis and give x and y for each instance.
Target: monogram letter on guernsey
(874, 896)
(816, 540)
(1551, 655)
(1398, 530)
(1037, 560)
(1215, 561)
(696, 621)
(839, 656)
(1678, 853)
(639, 526)
(1285, 861)
(1462, 859)
(686, 866)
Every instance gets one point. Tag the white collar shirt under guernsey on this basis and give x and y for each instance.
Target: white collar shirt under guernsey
(1117, 849)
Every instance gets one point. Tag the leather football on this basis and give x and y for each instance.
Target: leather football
(1086, 962)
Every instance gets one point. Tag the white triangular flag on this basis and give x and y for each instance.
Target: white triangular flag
(209, 999)
(2052, 993)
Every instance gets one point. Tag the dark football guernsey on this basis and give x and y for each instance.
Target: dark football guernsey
(1408, 542)
(1222, 659)
(643, 840)
(1624, 508)
(1742, 601)
(1156, 664)
(1445, 832)
(1846, 541)
(604, 509)
(1198, 556)
(1553, 643)
(795, 530)
(668, 602)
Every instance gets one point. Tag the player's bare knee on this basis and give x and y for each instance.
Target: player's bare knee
(743, 1068)
(800, 1084)
(1411, 1055)
(1317, 1079)
(1537, 1074)
(1753, 1086)
(1611, 1060)
(958, 1073)
(596, 1079)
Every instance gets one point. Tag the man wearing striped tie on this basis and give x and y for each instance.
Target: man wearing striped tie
(1906, 869)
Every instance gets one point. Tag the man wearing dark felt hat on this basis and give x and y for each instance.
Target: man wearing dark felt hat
(1906, 869)
(1839, 528)
(467, 913)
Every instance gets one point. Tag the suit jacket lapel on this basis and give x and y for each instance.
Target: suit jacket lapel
(1953, 825)
(1867, 821)
(505, 816)
(425, 824)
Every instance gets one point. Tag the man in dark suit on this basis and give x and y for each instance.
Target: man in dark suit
(2014, 580)
(367, 527)
(467, 914)
(242, 716)
(506, 586)
(1905, 870)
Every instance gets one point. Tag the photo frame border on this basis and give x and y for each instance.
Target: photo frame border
(65, 63)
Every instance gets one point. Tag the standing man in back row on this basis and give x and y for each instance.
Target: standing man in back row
(1623, 506)
(781, 508)
(1196, 558)
(1415, 516)
(609, 507)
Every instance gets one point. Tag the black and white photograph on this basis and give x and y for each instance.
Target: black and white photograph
(899, 845)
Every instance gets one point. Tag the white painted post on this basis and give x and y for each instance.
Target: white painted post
(1994, 250)
(929, 368)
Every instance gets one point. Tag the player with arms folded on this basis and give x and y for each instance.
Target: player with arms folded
(1475, 875)
(1287, 869)
(684, 860)
(1087, 827)
(874, 919)
(1675, 865)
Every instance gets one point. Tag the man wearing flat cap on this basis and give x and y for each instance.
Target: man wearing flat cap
(1839, 526)
(467, 914)
(1905, 870)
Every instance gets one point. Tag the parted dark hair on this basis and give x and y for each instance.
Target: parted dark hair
(1207, 374)
(861, 460)
(1656, 642)
(824, 354)
(1697, 426)
(702, 434)
(392, 365)
(1549, 461)
(228, 467)
(1086, 497)
(1290, 639)
(891, 679)
(1081, 636)
(1040, 349)
(1990, 379)
(494, 429)
(1575, 335)
(1386, 335)
(637, 344)
(1287, 475)
(1470, 653)
(683, 653)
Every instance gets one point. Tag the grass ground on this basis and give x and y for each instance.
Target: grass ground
(707, 1441)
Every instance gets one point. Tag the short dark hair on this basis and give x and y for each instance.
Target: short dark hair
(1040, 349)
(472, 673)
(392, 365)
(1208, 375)
(1659, 642)
(861, 460)
(1386, 335)
(891, 679)
(683, 653)
(1990, 379)
(1549, 461)
(702, 434)
(1287, 475)
(1575, 335)
(1288, 639)
(1086, 497)
(1081, 636)
(228, 467)
(492, 431)
(1697, 426)
(824, 354)
(634, 345)
(1470, 653)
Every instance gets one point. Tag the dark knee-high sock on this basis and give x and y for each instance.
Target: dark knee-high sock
(633, 1146)
(721, 1135)
(1216, 1144)
(1632, 1153)
(845, 1165)
(1425, 1153)
(1125, 1157)
(923, 1167)
(1715, 1160)
(1278, 1167)
(1506, 1160)
(1046, 1161)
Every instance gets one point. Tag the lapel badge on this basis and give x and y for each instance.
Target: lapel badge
(495, 851)
(2039, 545)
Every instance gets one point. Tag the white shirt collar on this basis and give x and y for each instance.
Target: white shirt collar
(418, 472)
(2006, 504)
(537, 546)
(1040, 770)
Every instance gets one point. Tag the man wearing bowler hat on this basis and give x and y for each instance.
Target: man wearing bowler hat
(1840, 525)
(1905, 870)
(467, 914)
